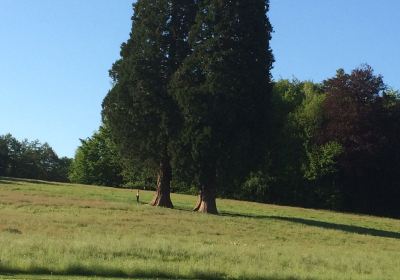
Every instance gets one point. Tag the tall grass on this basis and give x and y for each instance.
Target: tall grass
(75, 230)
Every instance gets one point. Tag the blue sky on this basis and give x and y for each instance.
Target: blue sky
(55, 56)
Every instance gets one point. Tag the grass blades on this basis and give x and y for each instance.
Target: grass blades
(64, 230)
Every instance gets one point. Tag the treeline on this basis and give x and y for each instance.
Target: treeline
(335, 145)
(31, 160)
(193, 107)
(97, 162)
(332, 145)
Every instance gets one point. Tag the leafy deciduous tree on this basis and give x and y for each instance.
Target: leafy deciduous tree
(32, 160)
(354, 117)
(96, 161)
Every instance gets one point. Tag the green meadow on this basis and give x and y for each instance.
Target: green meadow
(65, 231)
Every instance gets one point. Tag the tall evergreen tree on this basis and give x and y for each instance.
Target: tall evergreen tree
(138, 109)
(223, 91)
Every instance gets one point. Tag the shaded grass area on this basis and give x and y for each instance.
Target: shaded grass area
(60, 231)
(325, 225)
(20, 181)
(62, 277)
(103, 272)
(341, 227)
(78, 270)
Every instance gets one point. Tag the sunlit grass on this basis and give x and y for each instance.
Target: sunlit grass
(73, 230)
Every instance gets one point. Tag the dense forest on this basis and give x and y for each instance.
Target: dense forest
(193, 109)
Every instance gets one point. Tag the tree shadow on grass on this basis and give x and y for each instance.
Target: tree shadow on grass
(314, 223)
(17, 181)
(81, 271)
(324, 225)
(185, 209)
(6, 182)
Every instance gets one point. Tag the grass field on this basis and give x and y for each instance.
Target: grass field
(61, 231)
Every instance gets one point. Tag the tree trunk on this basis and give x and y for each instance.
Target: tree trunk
(162, 197)
(198, 203)
(206, 203)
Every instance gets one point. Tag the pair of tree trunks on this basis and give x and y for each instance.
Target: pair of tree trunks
(206, 202)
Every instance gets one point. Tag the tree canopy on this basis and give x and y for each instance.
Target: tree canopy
(222, 90)
(138, 109)
(97, 161)
(31, 160)
(358, 117)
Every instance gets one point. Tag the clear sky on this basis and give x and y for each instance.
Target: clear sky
(55, 56)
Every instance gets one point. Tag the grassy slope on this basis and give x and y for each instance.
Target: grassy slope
(60, 229)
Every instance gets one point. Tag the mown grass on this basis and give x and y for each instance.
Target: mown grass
(63, 230)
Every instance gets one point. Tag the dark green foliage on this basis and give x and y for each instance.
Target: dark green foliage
(391, 154)
(335, 146)
(138, 109)
(298, 169)
(4, 156)
(31, 160)
(223, 92)
(64, 165)
(97, 161)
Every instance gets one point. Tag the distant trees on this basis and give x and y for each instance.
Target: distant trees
(97, 161)
(32, 160)
(298, 168)
(223, 92)
(334, 145)
(138, 109)
(391, 155)
(4, 156)
(359, 115)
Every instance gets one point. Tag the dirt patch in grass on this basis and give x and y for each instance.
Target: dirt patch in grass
(24, 199)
